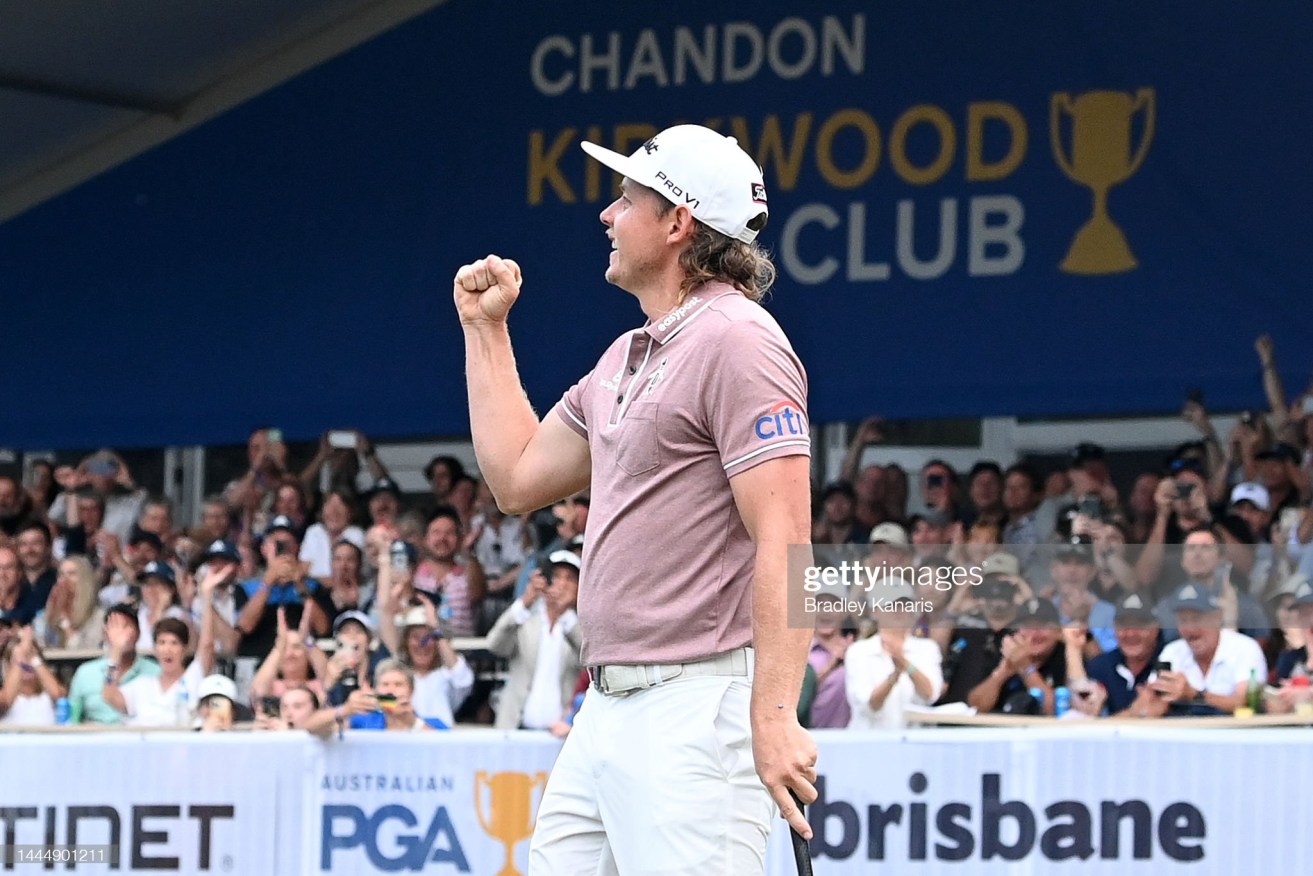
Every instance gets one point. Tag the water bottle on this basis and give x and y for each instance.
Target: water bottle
(445, 614)
(63, 712)
(1037, 693)
(1061, 701)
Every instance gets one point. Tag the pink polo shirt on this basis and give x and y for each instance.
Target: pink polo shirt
(671, 412)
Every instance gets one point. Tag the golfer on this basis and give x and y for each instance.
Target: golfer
(691, 433)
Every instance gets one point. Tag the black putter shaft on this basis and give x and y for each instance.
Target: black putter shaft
(802, 854)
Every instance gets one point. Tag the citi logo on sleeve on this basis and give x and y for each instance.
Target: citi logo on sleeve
(783, 420)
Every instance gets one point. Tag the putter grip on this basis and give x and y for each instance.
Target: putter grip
(802, 854)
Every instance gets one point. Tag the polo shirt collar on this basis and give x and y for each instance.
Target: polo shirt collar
(665, 328)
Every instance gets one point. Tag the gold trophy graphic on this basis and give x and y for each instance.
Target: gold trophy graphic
(1101, 157)
(510, 809)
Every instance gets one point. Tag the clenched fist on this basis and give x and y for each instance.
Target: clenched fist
(485, 290)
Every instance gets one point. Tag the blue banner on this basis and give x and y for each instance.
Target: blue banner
(976, 209)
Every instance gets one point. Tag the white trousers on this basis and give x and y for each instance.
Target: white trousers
(658, 782)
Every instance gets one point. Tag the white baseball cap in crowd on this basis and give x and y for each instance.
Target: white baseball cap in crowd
(1251, 492)
(701, 169)
(217, 685)
(565, 558)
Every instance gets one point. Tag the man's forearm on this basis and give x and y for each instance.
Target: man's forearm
(501, 420)
(781, 650)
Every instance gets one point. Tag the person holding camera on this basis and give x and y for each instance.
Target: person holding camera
(105, 476)
(387, 706)
(984, 617)
(285, 583)
(539, 635)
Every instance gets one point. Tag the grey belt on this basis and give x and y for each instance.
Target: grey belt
(619, 680)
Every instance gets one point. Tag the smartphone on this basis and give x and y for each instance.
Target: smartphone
(1184, 489)
(386, 702)
(342, 439)
(275, 436)
(281, 548)
(1091, 507)
(270, 706)
(934, 481)
(1162, 666)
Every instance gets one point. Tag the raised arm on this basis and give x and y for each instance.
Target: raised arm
(774, 501)
(527, 463)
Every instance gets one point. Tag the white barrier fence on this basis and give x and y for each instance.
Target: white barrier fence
(1038, 801)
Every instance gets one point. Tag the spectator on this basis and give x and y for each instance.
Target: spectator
(266, 456)
(295, 661)
(462, 497)
(285, 583)
(221, 557)
(538, 634)
(384, 503)
(569, 520)
(74, 619)
(1141, 508)
(834, 634)
(159, 600)
(1251, 505)
(122, 663)
(357, 656)
(891, 670)
(120, 569)
(1182, 506)
(335, 525)
(156, 516)
(836, 524)
(337, 469)
(345, 589)
(896, 490)
(296, 709)
(35, 555)
(291, 501)
(42, 487)
(1211, 666)
(218, 709)
(1292, 671)
(871, 483)
(1087, 476)
(216, 521)
(1279, 472)
(80, 525)
(1286, 647)
(30, 689)
(1126, 670)
(17, 605)
(389, 705)
(459, 587)
(1201, 561)
(166, 699)
(1115, 576)
(984, 618)
(16, 509)
(442, 472)
(1023, 490)
(502, 542)
(985, 493)
(108, 477)
(939, 490)
(932, 534)
(1032, 657)
(443, 679)
(1072, 572)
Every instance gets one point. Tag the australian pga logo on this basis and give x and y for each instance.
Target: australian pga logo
(783, 420)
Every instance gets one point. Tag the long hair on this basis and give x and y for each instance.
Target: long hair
(711, 255)
(84, 596)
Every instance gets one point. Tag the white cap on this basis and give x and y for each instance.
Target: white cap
(415, 616)
(217, 685)
(889, 533)
(705, 171)
(568, 558)
(1252, 492)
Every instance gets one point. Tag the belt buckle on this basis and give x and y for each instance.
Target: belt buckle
(595, 677)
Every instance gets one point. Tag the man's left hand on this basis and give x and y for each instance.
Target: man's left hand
(785, 754)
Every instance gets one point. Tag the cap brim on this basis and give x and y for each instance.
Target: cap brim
(622, 164)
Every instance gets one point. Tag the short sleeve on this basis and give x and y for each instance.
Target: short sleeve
(756, 397)
(572, 409)
(132, 693)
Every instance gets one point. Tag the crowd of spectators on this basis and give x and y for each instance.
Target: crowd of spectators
(321, 598)
(1185, 590)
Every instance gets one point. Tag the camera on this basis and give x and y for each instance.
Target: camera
(1091, 507)
(934, 481)
(1184, 490)
(995, 586)
(271, 706)
(387, 702)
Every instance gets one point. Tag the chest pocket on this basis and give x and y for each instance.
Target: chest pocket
(637, 448)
